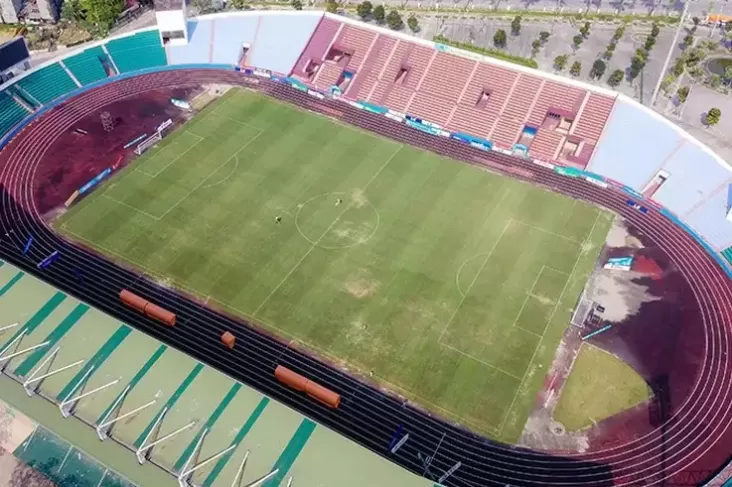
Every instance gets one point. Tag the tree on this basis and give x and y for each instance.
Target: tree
(577, 41)
(728, 26)
(655, 30)
(238, 4)
(364, 9)
(413, 24)
(598, 69)
(103, 13)
(71, 11)
(695, 20)
(297, 4)
(609, 50)
(615, 78)
(516, 25)
(680, 66)
(535, 46)
(715, 80)
(688, 40)
(379, 14)
(619, 33)
(728, 74)
(576, 69)
(682, 93)
(331, 6)
(560, 62)
(585, 30)
(544, 36)
(667, 82)
(394, 20)
(650, 42)
(713, 116)
(499, 40)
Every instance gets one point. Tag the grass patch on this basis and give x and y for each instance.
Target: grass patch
(495, 53)
(599, 386)
(451, 284)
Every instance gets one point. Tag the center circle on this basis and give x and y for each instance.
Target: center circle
(337, 220)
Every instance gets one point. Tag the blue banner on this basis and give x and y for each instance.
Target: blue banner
(95, 181)
(370, 107)
(422, 127)
(471, 140)
(297, 84)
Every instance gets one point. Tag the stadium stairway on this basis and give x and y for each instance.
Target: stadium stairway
(138, 51)
(10, 113)
(48, 83)
(87, 66)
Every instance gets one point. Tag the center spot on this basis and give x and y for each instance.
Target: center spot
(337, 220)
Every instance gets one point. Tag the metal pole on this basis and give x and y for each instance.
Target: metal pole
(670, 52)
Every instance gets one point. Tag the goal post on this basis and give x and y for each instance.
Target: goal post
(154, 138)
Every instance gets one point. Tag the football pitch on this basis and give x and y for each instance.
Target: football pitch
(450, 284)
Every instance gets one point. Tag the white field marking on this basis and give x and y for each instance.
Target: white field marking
(30, 438)
(526, 300)
(126, 205)
(245, 124)
(335, 359)
(231, 173)
(153, 176)
(460, 269)
(549, 320)
(548, 232)
(314, 245)
(151, 272)
(470, 286)
(203, 181)
(481, 361)
(65, 458)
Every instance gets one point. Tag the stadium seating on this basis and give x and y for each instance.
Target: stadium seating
(10, 113)
(87, 66)
(504, 106)
(138, 51)
(48, 83)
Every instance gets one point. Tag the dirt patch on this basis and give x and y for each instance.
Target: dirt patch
(14, 428)
(359, 199)
(362, 287)
(620, 293)
(14, 473)
(620, 237)
(542, 299)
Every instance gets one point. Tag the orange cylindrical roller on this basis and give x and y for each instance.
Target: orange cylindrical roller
(228, 339)
(133, 300)
(320, 393)
(290, 378)
(161, 314)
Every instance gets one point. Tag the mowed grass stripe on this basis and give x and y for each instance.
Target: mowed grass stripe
(380, 285)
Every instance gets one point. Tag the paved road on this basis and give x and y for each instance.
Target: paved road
(698, 8)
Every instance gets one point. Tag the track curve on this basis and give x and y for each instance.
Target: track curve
(698, 424)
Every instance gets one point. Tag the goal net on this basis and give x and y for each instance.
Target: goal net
(149, 142)
(154, 138)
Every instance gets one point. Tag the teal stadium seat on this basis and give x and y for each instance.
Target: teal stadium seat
(139, 51)
(48, 84)
(87, 66)
(727, 254)
(10, 113)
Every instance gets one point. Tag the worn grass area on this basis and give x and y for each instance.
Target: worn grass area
(599, 386)
(451, 284)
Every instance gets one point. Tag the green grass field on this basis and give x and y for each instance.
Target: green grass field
(451, 284)
(599, 386)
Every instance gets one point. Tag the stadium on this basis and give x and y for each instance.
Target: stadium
(287, 248)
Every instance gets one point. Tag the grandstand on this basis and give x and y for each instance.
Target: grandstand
(586, 132)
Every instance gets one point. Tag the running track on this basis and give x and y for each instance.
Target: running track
(702, 422)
